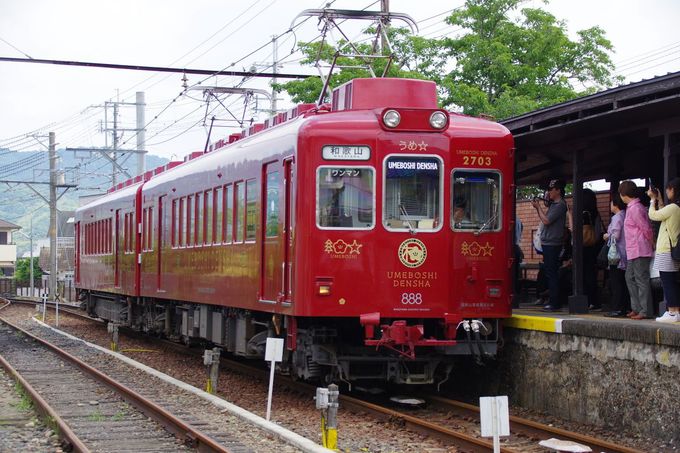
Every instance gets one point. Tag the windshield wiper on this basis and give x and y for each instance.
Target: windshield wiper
(407, 218)
(487, 223)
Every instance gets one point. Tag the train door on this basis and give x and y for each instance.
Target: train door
(159, 242)
(288, 229)
(272, 257)
(116, 251)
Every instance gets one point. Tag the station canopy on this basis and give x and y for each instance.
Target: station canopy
(631, 131)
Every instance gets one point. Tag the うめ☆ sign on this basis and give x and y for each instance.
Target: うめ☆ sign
(412, 253)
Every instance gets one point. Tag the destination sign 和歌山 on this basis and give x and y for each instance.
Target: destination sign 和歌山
(346, 152)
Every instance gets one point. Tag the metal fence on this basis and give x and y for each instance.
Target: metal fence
(65, 289)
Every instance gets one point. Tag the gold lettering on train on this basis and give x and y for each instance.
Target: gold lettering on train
(412, 279)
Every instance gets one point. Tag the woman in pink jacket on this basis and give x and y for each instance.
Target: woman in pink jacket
(639, 251)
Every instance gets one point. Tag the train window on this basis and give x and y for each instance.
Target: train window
(475, 200)
(413, 193)
(173, 224)
(272, 204)
(200, 219)
(190, 224)
(209, 216)
(228, 220)
(149, 234)
(345, 197)
(251, 209)
(239, 210)
(182, 225)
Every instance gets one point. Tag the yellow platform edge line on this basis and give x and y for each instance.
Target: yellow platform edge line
(542, 323)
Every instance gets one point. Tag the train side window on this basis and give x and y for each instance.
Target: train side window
(345, 197)
(182, 233)
(272, 204)
(208, 211)
(150, 233)
(251, 209)
(239, 210)
(173, 224)
(413, 193)
(475, 200)
(133, 232)
(190, 224)
(218, 217)
(228, 220)
(200, 220)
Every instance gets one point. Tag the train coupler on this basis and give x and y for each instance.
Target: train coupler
(403, 338)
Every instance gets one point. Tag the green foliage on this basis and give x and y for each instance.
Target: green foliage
(405, 63)
(506, 66)
(507, 62)
(23, 271)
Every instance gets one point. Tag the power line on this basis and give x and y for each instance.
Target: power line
(210, 72)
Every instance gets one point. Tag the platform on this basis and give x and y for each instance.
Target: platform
(595, 325)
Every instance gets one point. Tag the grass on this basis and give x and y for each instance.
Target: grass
(118, 416)
(25, 403)
(97, 416)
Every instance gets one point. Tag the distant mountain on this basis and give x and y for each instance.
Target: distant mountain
(18, 203)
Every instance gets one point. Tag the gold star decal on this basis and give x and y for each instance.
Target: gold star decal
(487, 249)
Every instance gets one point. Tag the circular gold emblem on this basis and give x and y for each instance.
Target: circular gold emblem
(412, 253)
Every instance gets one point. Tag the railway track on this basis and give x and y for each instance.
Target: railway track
(58, 383)
(452, 422)
(89, 414)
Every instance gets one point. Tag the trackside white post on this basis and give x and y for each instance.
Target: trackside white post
(273, 353)
(495, 418)
(494, 421)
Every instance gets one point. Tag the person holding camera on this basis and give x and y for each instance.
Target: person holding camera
(554, 218)
(669, 216)
(639, 251)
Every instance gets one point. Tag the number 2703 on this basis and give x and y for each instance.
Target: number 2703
(477, 160)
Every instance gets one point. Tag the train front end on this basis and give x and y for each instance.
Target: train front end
(407, 233)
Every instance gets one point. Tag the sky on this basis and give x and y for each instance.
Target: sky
(213, 34)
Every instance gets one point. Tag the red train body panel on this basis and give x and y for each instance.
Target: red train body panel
(382, 227)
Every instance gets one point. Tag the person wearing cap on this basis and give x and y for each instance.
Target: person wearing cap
(554, 219)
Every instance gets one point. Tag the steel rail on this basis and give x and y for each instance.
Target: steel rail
(179, 428)
(532, 428)
(42, 406)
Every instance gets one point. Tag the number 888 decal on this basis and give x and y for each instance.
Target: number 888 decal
(411, 298)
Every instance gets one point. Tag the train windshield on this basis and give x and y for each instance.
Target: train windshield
(475, 200)
(345, 197)
(412, 193)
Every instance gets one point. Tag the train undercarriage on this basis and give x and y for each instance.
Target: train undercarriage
(318, 349)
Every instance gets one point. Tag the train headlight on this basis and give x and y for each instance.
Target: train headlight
(391, 118)
(324, 290)
(438, 120)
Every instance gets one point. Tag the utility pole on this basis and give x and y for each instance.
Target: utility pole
(141, 132)
(275, 63)
(53, 216)
(115, 143)
(385, 8)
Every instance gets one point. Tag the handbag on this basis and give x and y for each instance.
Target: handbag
(536, 240)
(589, 237)
(675, 249)
(602, 260)
(613, 254)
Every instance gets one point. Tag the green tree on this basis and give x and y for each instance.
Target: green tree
(510, 62)
(413, 57)
(23, 270)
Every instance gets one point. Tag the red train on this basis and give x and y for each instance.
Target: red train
(373, 234)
